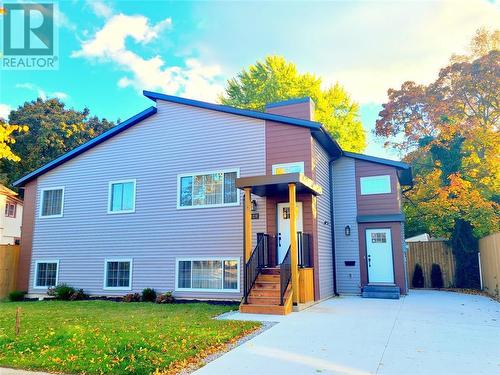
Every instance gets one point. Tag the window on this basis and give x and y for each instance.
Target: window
(121, 197)
(118, 274)
(46, 273)
(211, 189)
(208, 275)
(297, 167)
(379, 237)
(10, 209)
(375, 185)
(52, 202)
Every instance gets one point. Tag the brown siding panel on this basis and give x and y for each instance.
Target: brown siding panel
(287, 144)
(377, 203)
(27, 235)
(304, 110)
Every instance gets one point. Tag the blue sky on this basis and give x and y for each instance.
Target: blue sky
(111, 51)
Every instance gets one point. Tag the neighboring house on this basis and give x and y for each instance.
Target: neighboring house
(158, 202)
(10, 217)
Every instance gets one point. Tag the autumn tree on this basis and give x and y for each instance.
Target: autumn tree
(7, 139)
(51, 130)
(275, 79)
(448, 131)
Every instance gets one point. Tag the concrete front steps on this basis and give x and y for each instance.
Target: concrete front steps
(264, 298)
(384, 291)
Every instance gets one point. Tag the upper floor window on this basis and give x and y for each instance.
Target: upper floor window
(375, 185)
(52, 202)
(210, 189)
(10, 209)
(121, 197)
(297, 167)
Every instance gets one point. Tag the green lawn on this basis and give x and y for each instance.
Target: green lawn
(109, 337)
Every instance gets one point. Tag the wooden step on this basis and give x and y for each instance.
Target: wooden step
(270, 271)
(253, 300)
(264, 292)
(265, 309)
(266, 285)
(275, 278)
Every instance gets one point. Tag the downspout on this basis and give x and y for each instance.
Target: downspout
(332, 226)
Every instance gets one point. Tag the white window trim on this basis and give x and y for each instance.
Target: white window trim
(222, 259)
(36, 272)
(41, 202)
(179, 176)
(110, 187)
(9, 204)
(367, 178)
(285, 165)
(106, 261)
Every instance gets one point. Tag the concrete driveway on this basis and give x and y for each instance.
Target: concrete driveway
(427, 332)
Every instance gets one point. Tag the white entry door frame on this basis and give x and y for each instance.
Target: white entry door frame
(283, 221)
(379, 255)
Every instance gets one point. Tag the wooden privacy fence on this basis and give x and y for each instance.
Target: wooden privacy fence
(428, 253)
(9, 256)
(489, 249)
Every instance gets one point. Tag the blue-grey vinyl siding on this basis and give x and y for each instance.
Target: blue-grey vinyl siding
(178, 139)
(324, 222)
(345, 212)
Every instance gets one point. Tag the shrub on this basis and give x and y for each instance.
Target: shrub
(16, 296)
(166, 297)
(132, 297)
(436, 276)
(417, 280)
(78, 295)
(148, 295)
(62, 292)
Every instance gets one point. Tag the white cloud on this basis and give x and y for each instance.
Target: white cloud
(4, 111)
(368, 46)
(41, 93)
(191, 79)
(100, 9)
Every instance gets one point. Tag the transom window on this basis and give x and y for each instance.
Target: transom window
(10, 209)
(52, 202)
(297, 167)
(121, 196)
(208, 274)
(46, 273)
(375, 185)
(118, 274)
(210, 189)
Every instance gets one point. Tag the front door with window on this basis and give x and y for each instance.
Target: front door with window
(283, 238)
(379, 256)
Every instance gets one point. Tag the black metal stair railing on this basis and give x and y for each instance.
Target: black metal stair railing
(258, 260)
(285, 275)
(304, 249)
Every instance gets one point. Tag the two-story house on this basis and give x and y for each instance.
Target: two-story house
(11, 217)
(215, 202)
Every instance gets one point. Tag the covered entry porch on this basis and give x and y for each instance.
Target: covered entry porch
(279, 270)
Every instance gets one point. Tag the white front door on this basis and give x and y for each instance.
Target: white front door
(379, 256)
(283, 237)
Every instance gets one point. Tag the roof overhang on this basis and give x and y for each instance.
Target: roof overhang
(272, 185)
(385, 218)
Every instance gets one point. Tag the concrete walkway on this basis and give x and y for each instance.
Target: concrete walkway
(427, 332)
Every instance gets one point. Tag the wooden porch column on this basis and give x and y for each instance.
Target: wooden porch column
(293, 241)
(248, 223)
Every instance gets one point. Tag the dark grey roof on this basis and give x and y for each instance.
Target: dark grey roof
(380, 218)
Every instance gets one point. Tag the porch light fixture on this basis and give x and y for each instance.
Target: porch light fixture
(347, 230)
(254, 205)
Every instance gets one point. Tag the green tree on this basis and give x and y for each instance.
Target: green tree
(275, 79)
(51, 130)
(449, 133)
